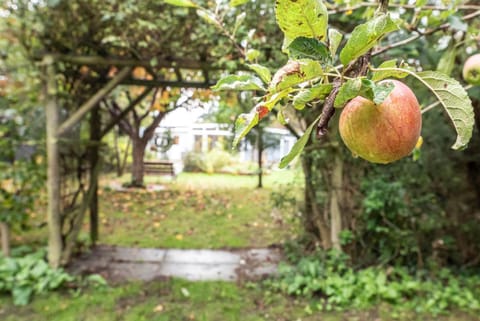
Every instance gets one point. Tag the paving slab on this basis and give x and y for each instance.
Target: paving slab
(122, 263)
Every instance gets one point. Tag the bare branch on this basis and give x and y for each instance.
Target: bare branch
(421, 34)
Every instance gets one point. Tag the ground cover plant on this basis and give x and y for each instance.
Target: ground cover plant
(179, 300)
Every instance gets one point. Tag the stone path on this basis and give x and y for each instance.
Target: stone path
(125, 264)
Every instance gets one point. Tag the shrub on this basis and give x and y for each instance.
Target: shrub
(211, 162)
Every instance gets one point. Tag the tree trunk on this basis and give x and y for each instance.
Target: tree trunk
(313, 220)
(5, 233)
(336, 196)
(118, 162)
(137, 162)
(260, 160)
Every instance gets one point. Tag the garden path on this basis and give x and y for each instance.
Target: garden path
(126, 264)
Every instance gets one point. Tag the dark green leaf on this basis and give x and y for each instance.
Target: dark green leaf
(311, 48)
(366, 36)
(365, 88)
(349, 90)
(239, 82)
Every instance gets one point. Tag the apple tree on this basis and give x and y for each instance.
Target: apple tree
(340, 53)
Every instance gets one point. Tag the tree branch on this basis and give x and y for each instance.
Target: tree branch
(421, 34)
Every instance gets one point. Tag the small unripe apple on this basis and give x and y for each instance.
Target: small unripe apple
(471, 70)
(382, 133)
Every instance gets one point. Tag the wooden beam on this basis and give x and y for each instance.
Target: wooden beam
(55, 244)
(119, 62)
(166, 83)
(93, 101)
(124, 112)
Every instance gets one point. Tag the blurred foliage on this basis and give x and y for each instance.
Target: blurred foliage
(332, 284)
(27, 273)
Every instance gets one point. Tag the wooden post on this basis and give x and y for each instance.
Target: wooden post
(260, 154)
(95, 128)
(5, 234)
(336, 196)
(53, 189)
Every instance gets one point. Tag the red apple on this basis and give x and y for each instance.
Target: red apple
(471, 70)
(382, 133)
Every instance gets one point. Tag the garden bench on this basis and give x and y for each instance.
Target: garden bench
(163, 168)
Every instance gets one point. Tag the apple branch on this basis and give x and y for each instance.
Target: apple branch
(422, 34)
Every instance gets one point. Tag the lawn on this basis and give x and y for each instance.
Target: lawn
(178, 300)
(194, 210)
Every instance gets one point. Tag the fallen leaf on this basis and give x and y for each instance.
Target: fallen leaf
(158, 308)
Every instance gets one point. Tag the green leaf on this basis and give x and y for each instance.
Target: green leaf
(263, 72)
(298, 146)
(381, 91)
(302, 18)
(447, 61)
(307, 95)
(296, 72)
(235, 3)
(243, 124)
(272, 99)
(252, 54)
(281, 117)
(379, 75)
(365, 88)
(238, 22)
(456, 102)
(209, 17)
(349, 90)
(239, 82)
(21, 295)
(366, 36)
(311, 48)
(182, 3)
(456, 23)
(334, 39)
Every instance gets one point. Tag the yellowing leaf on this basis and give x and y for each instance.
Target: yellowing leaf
(302, 18)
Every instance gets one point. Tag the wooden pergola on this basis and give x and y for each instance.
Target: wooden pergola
(62, 238)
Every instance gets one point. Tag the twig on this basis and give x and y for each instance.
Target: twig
(421, 34)
(403, 6)
(328, 110)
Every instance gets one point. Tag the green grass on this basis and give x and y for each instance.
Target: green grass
(179, 300)
(195, 210)
(200, 211)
